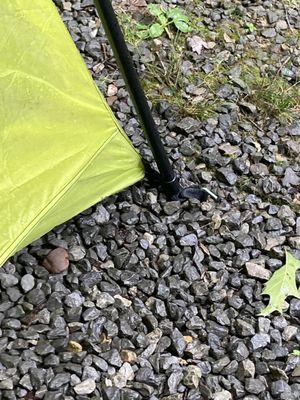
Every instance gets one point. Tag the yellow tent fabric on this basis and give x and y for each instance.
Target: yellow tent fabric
(61, 149)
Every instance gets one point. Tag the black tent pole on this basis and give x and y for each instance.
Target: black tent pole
(169, 179)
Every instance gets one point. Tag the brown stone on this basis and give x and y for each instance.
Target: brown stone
(57, 261)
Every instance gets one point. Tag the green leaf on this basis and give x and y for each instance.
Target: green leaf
(251, 27)
(156, 30)
(281, 285)
(143, 34)
(177, 13)
(155, 9)
(182, 26)
(180, 20)
(296, 353)
(163, 19)
(141, 26)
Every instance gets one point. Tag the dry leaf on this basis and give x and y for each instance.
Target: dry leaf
(228, 39)
(196, 44)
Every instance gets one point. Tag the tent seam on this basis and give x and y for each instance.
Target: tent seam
(54, 201)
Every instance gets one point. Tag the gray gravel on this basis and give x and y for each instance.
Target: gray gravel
(160, 299)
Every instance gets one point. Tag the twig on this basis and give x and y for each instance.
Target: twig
(287, 18)
(282, 65)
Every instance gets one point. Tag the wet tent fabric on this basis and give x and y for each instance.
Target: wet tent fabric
(61, 149)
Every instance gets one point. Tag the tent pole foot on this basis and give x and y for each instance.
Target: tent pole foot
(173, 189)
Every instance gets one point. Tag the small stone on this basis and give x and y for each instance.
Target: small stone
(57, 261)
(124, 375)
(74, 346)
(269, 33)
(192, 376)
(290, 178)
(67, 5)
(101, 215)
(104, 300)
(89, 373)
(227, 175)
(295, 242)
(259, 170)
(259, 341)
(189, 240)
(272, 17)
(239, 351)
(59, 380)
(6, 384)
(122, 300)
(281, 25)
(174, 380)
(229, 150)
(263, 325)
(223, 395)
(27, 282)
(274, 242)
(178, 341)
(244, 328)
(74, 299)
(273, 224)
(254, 386)
(43, 348)
(247, 368)
(280, 387)
(243, 240)
(128, 356)
(257, 271)
(112, 90)
(77, 253)
(188, 125)
(289, 332)
(8, 280)
(86, 387)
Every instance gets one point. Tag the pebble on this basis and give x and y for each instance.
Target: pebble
(57, 261)
(269, 33)
(124, 375)
(254, 386)
(8, 280)
(86, 387)
(27, 282)
(260, 340)
(223, 395)
(192, 376)
(257, 271)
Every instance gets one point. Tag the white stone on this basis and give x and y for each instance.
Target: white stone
(86, 387)
(125, 374)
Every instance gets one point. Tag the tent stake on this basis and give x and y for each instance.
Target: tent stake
(169, 179)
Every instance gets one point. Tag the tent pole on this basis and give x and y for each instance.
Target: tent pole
(169, 179)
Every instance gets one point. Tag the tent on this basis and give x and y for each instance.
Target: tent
(61, 148)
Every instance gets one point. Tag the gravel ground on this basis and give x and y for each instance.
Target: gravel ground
(160, 300)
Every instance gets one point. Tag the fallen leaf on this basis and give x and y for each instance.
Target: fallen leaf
(281, 285)
(228, 39)
(128, 356)
(209, 45)
(196, 43)
(205, 249)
